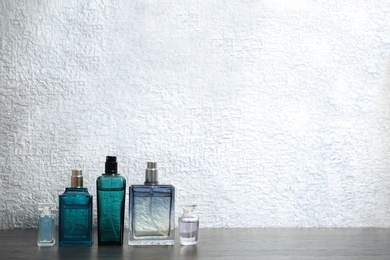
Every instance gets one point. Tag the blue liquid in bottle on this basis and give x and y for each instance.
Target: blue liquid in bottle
(46, 225)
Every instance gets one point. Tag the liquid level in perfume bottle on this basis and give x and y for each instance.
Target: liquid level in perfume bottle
(152, 216)
(75, 218)
(46, 225)
(76, 222)
(189, 229)
(188, 232)
(111, 207)
(46, 231)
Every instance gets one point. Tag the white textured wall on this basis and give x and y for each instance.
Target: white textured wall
(265, 113)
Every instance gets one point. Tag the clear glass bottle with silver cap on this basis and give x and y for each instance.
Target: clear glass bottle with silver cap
(46, 224)
(75, 214)
(151, 211)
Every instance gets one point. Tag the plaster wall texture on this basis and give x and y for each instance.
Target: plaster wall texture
(265, 113)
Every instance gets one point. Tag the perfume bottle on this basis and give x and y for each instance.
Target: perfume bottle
(188, 226)
(46, 224)
(111, 187)
(75, 214)
(151, 211)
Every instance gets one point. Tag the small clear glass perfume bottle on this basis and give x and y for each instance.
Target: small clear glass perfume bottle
(111, 189)
(188, 226)
(151, 211)
(75, 214)
(46, 224)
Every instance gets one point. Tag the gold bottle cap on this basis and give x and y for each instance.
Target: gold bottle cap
(77, 179)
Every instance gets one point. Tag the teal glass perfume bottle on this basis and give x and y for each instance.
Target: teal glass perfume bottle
(46, 224)
(151, 211)
(75, 214)
(111, 187)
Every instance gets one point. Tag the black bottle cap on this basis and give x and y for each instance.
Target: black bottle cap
(111, 164)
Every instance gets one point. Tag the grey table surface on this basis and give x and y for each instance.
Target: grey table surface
(240, 243)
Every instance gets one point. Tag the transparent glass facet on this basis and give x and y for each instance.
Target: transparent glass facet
(46, 224)
(188, 226)
(151, 215)
(111, 206)
(75, 218)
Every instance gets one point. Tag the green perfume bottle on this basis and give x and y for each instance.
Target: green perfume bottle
(111, 188)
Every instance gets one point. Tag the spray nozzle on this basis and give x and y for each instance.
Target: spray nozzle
(111, 165)
(46, 209)
(188, 209)
(151, 174)
(77, 178)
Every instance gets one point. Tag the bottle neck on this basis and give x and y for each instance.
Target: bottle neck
(69, 191)
(151, 177)
(189, 210)
(46, 210)
(76, 189)
(111, 173)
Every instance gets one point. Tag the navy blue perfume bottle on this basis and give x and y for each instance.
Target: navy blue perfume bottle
(151, 211)
(111, 187)
(75, 214)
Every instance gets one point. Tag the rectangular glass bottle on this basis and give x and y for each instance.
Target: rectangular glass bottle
(75, 214)
(151, 211)
(111, 188)
(46, 224)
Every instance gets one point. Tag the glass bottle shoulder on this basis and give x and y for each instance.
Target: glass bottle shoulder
(141, 186)
(75, 192)
(79, 196)
(111, 177)
(111, 181)
(168, 190)
(189, 218)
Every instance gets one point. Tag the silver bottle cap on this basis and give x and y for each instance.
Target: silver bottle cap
(151, 174)
(76, 179)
